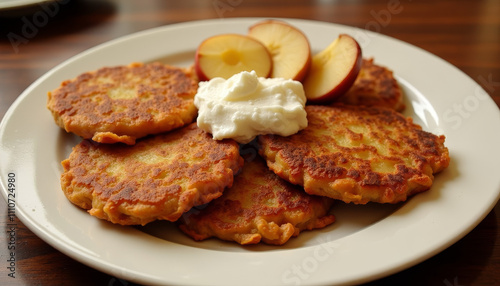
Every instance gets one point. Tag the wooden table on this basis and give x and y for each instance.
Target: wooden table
(464, 33)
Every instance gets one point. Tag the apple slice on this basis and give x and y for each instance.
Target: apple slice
(288, 46)
(333, 70)
(228, 54)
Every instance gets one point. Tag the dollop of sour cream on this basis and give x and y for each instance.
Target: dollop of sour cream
(246, 105)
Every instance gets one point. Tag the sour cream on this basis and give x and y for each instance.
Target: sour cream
(246, 105)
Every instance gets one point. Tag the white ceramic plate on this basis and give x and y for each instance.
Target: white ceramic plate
(17, 4)
(366, 242)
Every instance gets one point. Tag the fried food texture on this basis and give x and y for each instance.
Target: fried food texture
(357, 154)
(160, 177)
(374, 86)
(123, 103)
(260, 206)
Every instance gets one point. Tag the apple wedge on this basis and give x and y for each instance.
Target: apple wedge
(289, 48)
(228, 54)
(333, 70)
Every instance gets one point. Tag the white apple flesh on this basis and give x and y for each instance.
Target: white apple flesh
(333, 70)
(228, 54)
(289, 47)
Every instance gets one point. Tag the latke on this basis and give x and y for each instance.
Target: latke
(123, 103)
(357, 154)
(160, 177)
(259, 206)
(374, 86)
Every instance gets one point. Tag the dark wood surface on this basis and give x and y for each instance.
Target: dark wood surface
(464, 33)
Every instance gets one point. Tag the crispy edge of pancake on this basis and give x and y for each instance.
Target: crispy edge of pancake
(260, 206)
(162, 101)
(328, 173)
(114, 183)
(374, 86)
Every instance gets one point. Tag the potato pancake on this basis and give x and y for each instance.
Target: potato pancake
(123, 103)
(374, 86)
(160, 177)
(357, 154)
(259, 206)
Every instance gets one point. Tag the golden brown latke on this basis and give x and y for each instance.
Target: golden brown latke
(160, 177)
(374, 86)
(123, 103)
(357, 154)
(259, 206)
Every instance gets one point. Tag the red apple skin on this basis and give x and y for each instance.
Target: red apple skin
(199, 71)
(344, 85)
(301, 75)
(201, 75)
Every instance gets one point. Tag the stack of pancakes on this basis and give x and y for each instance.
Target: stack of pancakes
(142, 157)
